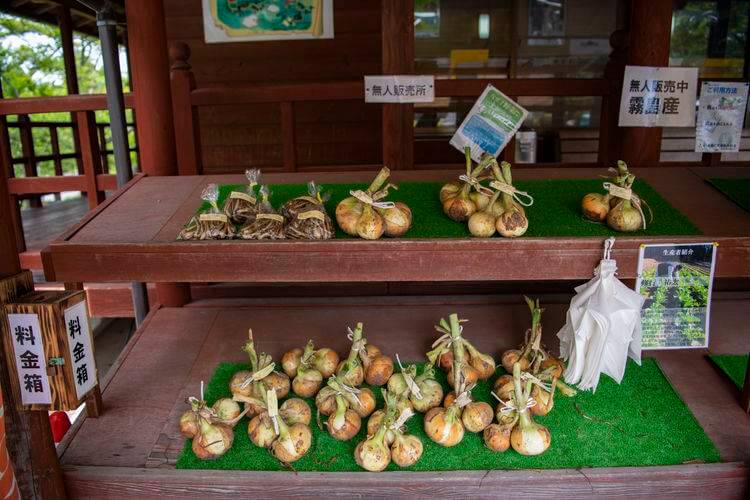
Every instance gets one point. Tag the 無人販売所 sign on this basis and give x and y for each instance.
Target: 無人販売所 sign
(676, 281)
(721, 111)
(658, 97)
(400, 88)
(490, 124)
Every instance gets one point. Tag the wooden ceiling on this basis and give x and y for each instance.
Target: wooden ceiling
(46, 11)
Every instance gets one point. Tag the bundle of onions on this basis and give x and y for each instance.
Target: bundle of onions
(475, 365)
(512, 222)
(532, 353)
(345, 406)
(242, 206)
(211, 224)
(460, 199)
(308, 368)
(365, 362)
(249, 387)
(527, 437)
(306, 216)
(422, 391)
(285, 431)
(620, 207)
(366, 215)
(266, 224)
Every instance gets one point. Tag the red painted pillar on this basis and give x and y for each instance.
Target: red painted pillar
(149, 67)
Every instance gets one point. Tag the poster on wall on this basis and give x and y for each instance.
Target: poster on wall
(262, 20)
(721, 111)
(427, 18)
(676, 281)
(658, 97)
(546, 18)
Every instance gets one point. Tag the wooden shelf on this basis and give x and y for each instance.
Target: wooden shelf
(131, 448)
(131, 237)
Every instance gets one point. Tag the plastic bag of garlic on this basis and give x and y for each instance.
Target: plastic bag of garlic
(603, 327)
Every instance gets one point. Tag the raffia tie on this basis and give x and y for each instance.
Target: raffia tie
(359, 345)
(515, 193)
(413, 387)
(368, 200)
(463, 399)
(273, 409)
(474, 182)
(620, 193)
(405, 415)
(349, 389)
(259, 375)
(510, 406)
(542, 385)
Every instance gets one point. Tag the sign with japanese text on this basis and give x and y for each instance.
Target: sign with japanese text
(676, 281)
(400, 88)
(31, 365)
(721, 112)
(658, 97)
(79, 345)
(490, 124)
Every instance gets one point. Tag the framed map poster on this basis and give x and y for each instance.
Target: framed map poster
(261, 20)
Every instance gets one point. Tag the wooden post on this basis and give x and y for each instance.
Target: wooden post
(398, 58)
(6, 172)
(650, 28)
(92, 165)
(186, 131)
(65, 24)
(29, 155)
(609, 140)
(149, 70)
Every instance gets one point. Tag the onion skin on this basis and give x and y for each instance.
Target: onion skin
(481, 200)
(212, 441)
(379, 370)
(459, 208)
(471, 375)
(432, 395)
(446, 360)
(367, 403)
(406, 450)
(226, 409)
(450, 190)
(279, 382)
(503, 387)
(544, 401)
(349, 428)
(476, 416)
(595, 206)
(512, 223)
(295, 411)
(307, 383)
(290, 361)
(482, 224)
(449, 399)
(443, 427)
(533, 439)
(325, 360)
(300, 437)
(397, 385)
(624, 217)
(325, 401)
(372, 454)
(348, 212)
(235, 384)
(353, 377)
(189, 424)
(261, 431)
(551, 361)
(497, 437)
(512, 356)
(397, 220)
(483, 364)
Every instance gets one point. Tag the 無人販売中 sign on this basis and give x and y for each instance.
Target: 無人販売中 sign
(490, 124)
(400, 88)
(658, 97)
(676, 281)
(721, 112)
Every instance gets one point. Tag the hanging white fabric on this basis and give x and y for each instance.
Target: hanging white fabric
(603, 327)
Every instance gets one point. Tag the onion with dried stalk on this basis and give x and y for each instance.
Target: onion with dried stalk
(482, 224)
(266, 224)
(531, 351)
(462, 198)
(307, 379)
(513, 221)
(527, 437)
(351, 370)
(345, 406)
(422, 391)
(241, 206)
(211, 224)
(306, 216)
(627, 214)
(292, 440)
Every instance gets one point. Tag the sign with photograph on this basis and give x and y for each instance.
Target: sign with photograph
(400, 88)
(676, 282)
(658, 97)
(31, 365)
(490, 124)
(721, 112)
(259, 20)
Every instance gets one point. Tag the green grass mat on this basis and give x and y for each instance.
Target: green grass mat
(734, 365)
(640, 422)
(556, 210)
(737, 190)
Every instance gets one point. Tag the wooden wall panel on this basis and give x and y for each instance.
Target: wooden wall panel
(328, 133)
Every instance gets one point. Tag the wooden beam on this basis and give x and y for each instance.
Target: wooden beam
(58, 104)
(398, 58)
(6, 172)
(92, 165)
(185, 115)
(650, 28)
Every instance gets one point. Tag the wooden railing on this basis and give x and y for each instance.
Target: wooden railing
(91, 157)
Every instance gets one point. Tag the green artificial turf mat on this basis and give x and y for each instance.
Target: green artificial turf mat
(556, 210)
(638, 423)
(737, 190)
(733, 365)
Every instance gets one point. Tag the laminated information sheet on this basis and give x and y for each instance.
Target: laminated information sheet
(721, 111)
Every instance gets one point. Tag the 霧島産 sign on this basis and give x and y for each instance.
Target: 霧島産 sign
(658, 97)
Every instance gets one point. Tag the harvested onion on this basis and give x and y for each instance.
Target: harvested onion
(461, 199)
(372, 454)
(527, 437)
(513, 221)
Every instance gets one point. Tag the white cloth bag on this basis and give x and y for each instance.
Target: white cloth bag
(603, 327)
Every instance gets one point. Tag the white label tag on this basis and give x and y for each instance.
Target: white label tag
(658, 97)
(213, 218)
(399, 88)
(80, 347)
(31, 365)
(242, 196)
(618, 191)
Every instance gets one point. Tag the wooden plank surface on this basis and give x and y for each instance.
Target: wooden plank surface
(133, 239)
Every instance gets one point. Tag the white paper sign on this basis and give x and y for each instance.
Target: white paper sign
(81, 352)
(658, 97)
(721, 111)
(490, 125)
(31, 365)
(400, 88)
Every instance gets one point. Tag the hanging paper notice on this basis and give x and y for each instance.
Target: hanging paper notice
(658, 97)
(31, 365)
(400, 88)
(490, 125)
(676, 281)
(721, 111)
(79, 344)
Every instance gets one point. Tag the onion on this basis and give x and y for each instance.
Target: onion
(189, 424)
(482, 223)
(293, 443)
(446, 360)
(374, 423)
(290, 361)
(371, 350)
(449, 399)
(261, 431)
(345, 423)
(503, 387)
(279, 382)
(476, 416)
(625, 217)
(497, 437)
(307, 383)
(372, 454)
(350, 371)
(226, 409)
(212, 440)
(348, 212)
(370, 225)
(406, 450)
(545, 401)
(527, 437)
(295, 411)
(554, 366)
(325, 400)
(595, 206)
(482, 363)
(353, 376)
(511, 357)
(450, 190)
(458, 201)
(356, 218)
(471, 375)
(460, 207)
(325, 360)
(512, 222)
(378, 370)
(397, 384)
(397, 219)
(237, 382)
(366, 403)
(430, 390)
(444, 426)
